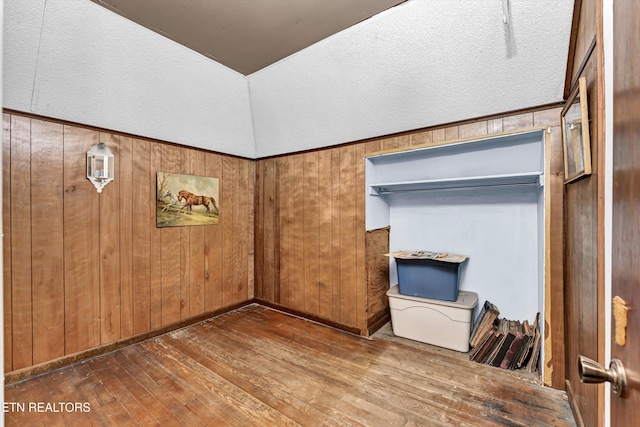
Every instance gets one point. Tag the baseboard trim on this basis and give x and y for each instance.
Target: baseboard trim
(312, 317)
(378, 320)
(61, 362)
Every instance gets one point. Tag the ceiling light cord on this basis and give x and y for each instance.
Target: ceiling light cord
(505, 12)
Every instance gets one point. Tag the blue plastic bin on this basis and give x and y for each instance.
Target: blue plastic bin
(428, 278)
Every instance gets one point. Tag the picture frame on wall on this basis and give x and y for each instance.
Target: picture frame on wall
(576, 143)
(184, 200)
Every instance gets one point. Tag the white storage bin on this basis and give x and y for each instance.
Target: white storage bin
(442, 323)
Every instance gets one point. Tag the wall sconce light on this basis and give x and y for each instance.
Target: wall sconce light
(100, 166)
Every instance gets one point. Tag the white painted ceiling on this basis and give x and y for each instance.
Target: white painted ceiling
(419, 64)
(247, 35)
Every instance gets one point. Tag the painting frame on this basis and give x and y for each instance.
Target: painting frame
(186, 200)
(576, 141)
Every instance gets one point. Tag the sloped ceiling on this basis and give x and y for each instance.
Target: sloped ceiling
(247, 35)
(417, 64)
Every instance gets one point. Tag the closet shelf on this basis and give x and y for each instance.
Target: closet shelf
(511, 180)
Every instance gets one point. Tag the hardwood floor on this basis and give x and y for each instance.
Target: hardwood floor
(257, 366)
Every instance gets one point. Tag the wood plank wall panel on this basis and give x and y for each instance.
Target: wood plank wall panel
(170, 253)
(83, 269)
(284, 253)
(81, 242)
(20, 219)
(588, 17)
(49, 266)
(6, 233)
(244, 188)
(311, 232)
(377, 244)
(336, 199)
(325, 235)
(361, 267)
(348, 223)
(554, 303)
(583, 290)
(271, 270)
(258, 230)
(584, 222)
(213, 240)
(109, 232)
(185, 252)
(196, 248)
(229, 257)
(125, 178)
(297, 236)
(337, 241)
(156, 240)
(142, 213)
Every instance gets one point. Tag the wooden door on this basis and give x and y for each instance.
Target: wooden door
(626, 203)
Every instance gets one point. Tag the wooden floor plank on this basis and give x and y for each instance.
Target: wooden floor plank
(243, 376)
(444, 373)
(258, 366)
(242, 408)
(158, 393)
(107, 371)
(340, 373)
(286, 378)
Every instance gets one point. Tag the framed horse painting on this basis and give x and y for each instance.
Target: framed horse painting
(183, 200)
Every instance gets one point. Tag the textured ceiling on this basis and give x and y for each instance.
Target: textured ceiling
(247, 35)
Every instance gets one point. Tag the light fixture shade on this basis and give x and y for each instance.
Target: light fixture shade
(100, 166)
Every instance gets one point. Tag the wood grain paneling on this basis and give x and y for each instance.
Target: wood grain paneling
(337, 242)
(229, 256)
(325, 235)
(473, 129)
(285, 251)
(581, 267)
(584, 221)
(85, 270)
(124, 178)
(213, 240)
(6, 233)
(81, 242)
(246, 219)
(377, 244)
(361, 268)
(142, 214)
(156, 240)
(348, 223)
(196, 252)
(451, 133)
(170, 254)
(335, 202)
(518, 121)
(165, 277)
(19, 212)
(110, 309)
(48, 265)
(310, 232)
(185, 249)
(554, 303)
(586, 32)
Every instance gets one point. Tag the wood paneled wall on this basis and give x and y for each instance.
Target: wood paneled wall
(82, 269)
(310, 231)
(584, 225)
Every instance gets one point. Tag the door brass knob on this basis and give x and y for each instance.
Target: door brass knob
(592, 372)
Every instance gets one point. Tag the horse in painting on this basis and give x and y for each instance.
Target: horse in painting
(188, 199)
